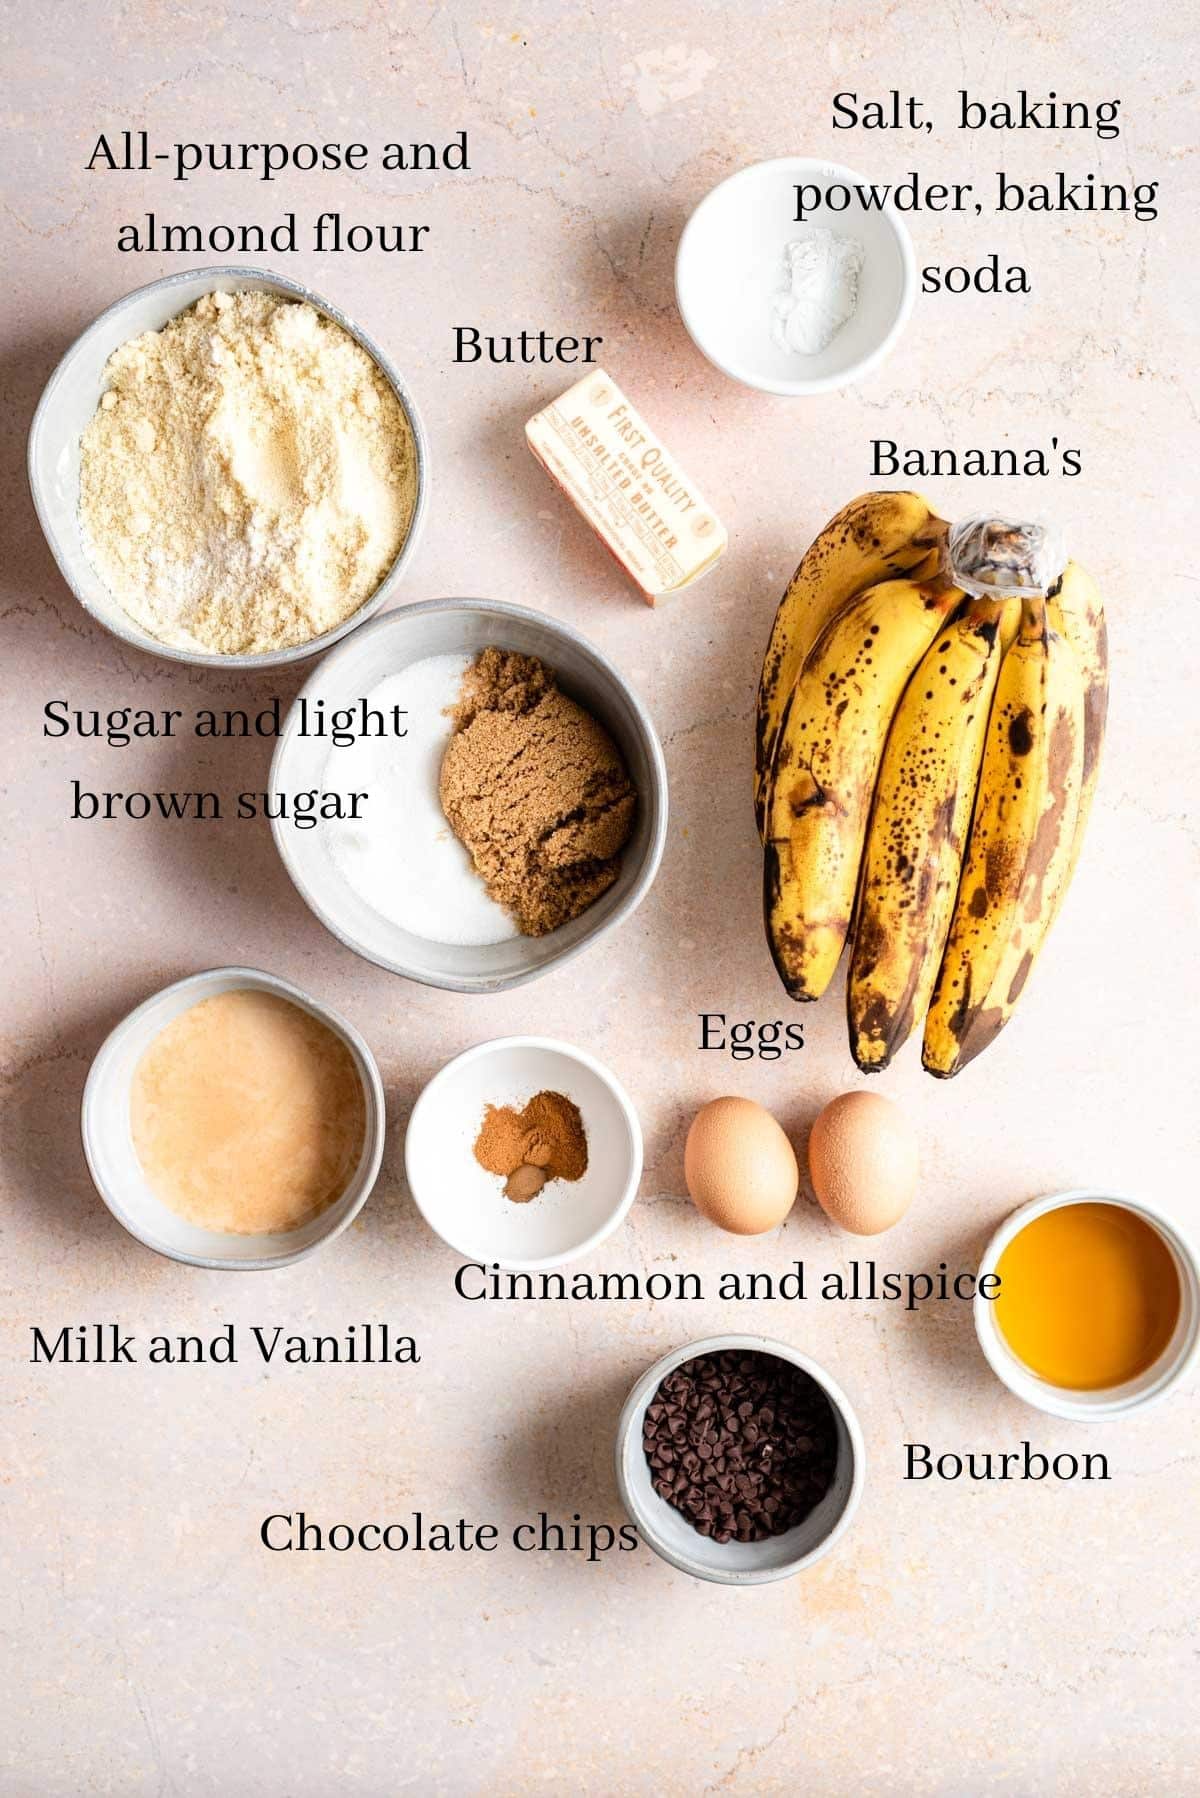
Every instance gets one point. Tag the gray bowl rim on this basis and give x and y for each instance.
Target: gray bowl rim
(633, 1179)
(648, 1382)
(368, 1069)
(272, 658)
(496, 608)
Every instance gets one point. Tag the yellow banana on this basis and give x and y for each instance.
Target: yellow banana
(919, 825)
(875, 538)
(1075, 610)
(1021, 846)
(826, 766)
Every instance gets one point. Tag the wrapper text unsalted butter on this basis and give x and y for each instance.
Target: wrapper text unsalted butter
(634, 494)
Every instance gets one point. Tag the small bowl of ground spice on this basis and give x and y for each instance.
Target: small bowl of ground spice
(523, 1153)
(739, 1459)
(228, 471)
(496, 804)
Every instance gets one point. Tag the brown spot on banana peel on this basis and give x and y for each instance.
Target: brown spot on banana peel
(1020, 732)
(979, 1032)
(1058, 816)
(1017, 984)
(781, 938)
(1095, 707)
(883, 1026)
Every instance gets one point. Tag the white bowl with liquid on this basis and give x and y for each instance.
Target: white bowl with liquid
(1155, 1381)
(117, 1173)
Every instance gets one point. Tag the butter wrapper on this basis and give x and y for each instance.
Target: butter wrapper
(631, 490)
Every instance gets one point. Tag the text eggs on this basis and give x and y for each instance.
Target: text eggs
(740, 1167)
(862, 1159)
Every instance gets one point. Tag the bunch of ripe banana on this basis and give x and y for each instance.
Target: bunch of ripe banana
(925, 765)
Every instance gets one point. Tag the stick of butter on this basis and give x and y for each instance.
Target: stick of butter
(634, 495)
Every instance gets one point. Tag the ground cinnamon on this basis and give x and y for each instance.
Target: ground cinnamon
(544, 1142)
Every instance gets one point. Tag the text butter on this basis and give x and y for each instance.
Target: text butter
(630, 489)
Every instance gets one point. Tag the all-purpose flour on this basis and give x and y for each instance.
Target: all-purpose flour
(248, 478)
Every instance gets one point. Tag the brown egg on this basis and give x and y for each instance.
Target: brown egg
(862, 1159)
(740, 1167)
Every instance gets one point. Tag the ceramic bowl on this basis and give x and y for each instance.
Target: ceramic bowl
(117, 1173)
(464, 627)
(729, 266)
(466, 1205)
(668, 1532)
(70, 400)
(1117, 1401)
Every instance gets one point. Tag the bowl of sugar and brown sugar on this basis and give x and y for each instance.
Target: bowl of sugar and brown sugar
(739, 1459)
(228, 470)
(496, 805)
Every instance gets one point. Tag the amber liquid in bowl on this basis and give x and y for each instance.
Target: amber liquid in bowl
(1089, 1296)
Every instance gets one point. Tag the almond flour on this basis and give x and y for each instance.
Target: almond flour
(248, 478)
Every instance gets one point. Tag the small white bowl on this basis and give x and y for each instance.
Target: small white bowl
(117, 1172)
(68, 405)
(668, 1532)
(1116, 1401)
(464, 627)
(730, 264)
(466, 1205)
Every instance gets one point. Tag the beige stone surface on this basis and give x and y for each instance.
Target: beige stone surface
(966, 1638)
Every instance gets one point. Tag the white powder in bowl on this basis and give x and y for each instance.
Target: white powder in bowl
(820, 290)
(402, 857)
(248, 478)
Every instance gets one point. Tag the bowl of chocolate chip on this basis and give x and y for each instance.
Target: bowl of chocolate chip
(739, 1459)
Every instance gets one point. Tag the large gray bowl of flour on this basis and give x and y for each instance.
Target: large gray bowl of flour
(69, 402)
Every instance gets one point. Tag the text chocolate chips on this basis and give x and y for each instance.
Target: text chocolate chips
(744, 1445)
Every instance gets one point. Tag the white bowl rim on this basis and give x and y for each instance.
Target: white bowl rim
(1022, 1382)
(272, 658)
(802, 386)
(376, 1122)
(554, 1045)
(638, 888)
(761, 1345)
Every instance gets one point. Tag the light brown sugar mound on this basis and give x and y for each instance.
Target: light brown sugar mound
(536, 791)
(248, 478)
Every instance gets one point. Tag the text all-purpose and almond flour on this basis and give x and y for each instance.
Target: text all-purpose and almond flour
(249, 477)
(247, 1114)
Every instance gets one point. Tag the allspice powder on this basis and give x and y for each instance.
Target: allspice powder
(536, 791)
(543, 1142)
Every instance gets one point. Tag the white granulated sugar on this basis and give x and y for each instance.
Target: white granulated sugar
(819, 293)
(248, 478)
(402, 858)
